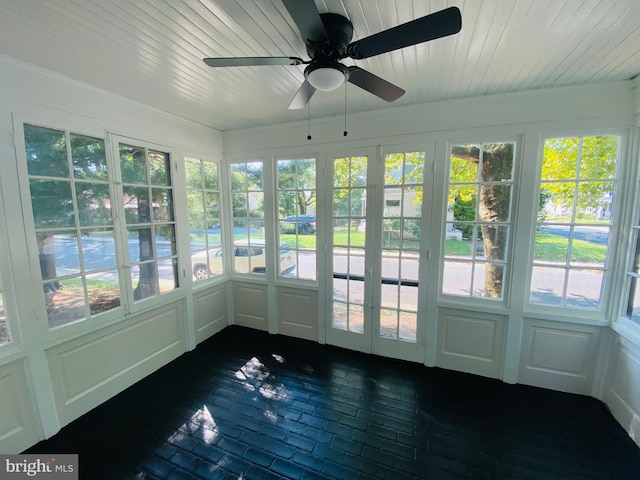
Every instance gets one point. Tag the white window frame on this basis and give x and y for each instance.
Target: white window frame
(511, 224)
(131, 305)
(295, 248)
(73, 125)
(602, 314)
(222, 218)
(630, 230)
(228, 253)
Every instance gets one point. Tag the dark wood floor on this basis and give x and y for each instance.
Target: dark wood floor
(248, 405)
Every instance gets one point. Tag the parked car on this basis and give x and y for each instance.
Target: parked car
(301, 224)
(248, 258)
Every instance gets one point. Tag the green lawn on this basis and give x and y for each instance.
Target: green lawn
(553, 248)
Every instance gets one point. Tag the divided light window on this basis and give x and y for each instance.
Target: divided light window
(480, 192)
(203, 203)
(401, 231)
(577, 185)
(71, 201)
(147, 194)
(297, 212)
(247, 196)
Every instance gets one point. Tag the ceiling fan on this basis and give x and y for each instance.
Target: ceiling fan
(328, 40)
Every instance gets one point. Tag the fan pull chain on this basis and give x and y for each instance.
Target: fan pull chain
(344, 134)
(308, 115)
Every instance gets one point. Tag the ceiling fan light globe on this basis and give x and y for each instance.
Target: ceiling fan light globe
(326, 78)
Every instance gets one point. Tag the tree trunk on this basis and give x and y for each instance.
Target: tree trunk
(46, 249)
(497, 164)
(148, 274)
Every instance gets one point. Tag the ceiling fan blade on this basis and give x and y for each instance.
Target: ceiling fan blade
(251, 61)
(437, 25)
(374, 84)
(302, 96)
(307, 18)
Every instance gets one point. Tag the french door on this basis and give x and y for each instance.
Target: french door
(377, 236)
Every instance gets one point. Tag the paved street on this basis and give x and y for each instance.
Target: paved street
(583, 286)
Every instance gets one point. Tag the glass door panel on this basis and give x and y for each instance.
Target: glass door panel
(373, 276)
(398, 274)
(350, 323)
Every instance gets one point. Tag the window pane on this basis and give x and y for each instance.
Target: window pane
(140, 244)
(547, 286)
(456, 279)
(408, 325)
(88, 158)
(589, 246)
(94, 203)
(159, 168)
(133, 164)
(494, 241)
(193, 172)
(195, 204)
(165, 240)
(52, 203)
(46, 152)
(560, 158)
(584, 288)
(67, 303)
(98, 249)
(167, 274)
(145, 278)
(595, 202)
(497, 162)
(162, 204)
(599, 157)
(58, 254)
(104, 291)
(388, 323)
(551, 244)
(461, 169)
(210, 175)
(136, 204)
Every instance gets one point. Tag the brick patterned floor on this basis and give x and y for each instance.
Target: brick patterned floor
(252, 406)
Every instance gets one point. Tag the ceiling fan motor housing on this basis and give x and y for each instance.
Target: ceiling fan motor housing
(339, 34)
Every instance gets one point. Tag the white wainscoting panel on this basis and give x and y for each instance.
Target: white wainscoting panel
(471, 342)
(298, 313)
(89, 370)
(560, 356)
(622, 390)
(18, 422)
(210, 311)
(250, 305)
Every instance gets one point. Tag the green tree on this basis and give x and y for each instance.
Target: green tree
(588, 161)
(297, 186)
(349, 182)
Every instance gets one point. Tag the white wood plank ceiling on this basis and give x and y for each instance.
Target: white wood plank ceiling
(151, 51)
